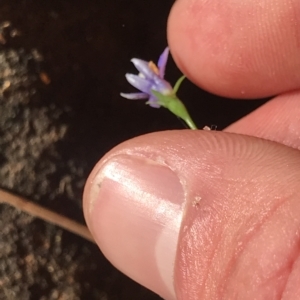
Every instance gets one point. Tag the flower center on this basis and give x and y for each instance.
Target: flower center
(153, 67)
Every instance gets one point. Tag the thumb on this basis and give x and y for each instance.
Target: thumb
(200, 215)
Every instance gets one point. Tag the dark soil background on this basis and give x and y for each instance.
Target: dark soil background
(62, 66)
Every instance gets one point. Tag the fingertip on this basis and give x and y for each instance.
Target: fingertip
(174, 209)
(247, 49)
(132, 205)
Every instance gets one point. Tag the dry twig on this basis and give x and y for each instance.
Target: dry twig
(45, 214)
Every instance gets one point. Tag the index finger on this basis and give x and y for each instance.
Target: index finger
(238, 49)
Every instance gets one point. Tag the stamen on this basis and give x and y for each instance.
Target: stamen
(153, 67)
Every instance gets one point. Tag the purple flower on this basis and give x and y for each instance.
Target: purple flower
(150, 81)
(150, 77)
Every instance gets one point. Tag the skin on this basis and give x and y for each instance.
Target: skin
(242, 241)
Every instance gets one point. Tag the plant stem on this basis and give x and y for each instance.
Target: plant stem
(191, 124)
(45, 214)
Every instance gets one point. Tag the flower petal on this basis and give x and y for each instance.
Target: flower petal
(162, 62)
(134, 96)
(162, 86)
(141, 84)
(153, 102)
(144, 68)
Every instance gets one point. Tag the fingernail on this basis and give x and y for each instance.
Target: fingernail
(134, 213)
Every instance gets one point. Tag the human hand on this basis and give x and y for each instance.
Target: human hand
(214, 215)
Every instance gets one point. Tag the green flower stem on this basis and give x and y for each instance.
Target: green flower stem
(173, 104)
(189, 121)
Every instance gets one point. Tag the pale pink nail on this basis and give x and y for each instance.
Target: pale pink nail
(134, 212)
